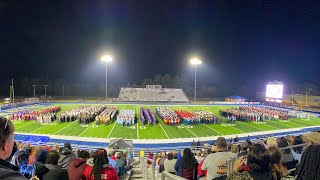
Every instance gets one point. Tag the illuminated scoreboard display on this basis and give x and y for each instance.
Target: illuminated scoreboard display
(274, 92)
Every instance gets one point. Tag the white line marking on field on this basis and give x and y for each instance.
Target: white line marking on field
(189, 130)
(86, 129)
(237, 129)
(25, 125)
(279, 123)
(271, 126)
(212, 129)
(66, 126)
(164, 131)
(250, 126)
(137, 131)
(112, 129)
(39, 128)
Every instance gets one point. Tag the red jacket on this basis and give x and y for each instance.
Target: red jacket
(76, 168)
(108, 173)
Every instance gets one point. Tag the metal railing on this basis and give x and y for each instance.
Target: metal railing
(144, 168)
(168, 176)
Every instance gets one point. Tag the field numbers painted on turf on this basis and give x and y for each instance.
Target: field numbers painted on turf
(225, 125)
(143, 127)
(84, 125)
(132, 127)
(180, 127)
(94, 126)
(189, 126)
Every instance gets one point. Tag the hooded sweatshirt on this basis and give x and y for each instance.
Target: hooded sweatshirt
(76, 168)
(66, 156)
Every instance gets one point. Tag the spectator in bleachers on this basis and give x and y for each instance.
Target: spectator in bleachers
(78, 165)
(186, 166)
(199, 158)
(169, 164)
(51, 170)
(309, 168)
(7, 170)
(243, 149)
(101, 168)
(41, 156)
(276, 164)
(258, 162)
(66, 156)
(271, 141)
(112, 162)
(297, 151)
(216, 163)
(21, 161)
(313, 138)
(34, 153)
(286, 154)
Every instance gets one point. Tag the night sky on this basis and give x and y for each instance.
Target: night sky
(239, 41)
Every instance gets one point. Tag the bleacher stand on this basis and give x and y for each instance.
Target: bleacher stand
(152, 95)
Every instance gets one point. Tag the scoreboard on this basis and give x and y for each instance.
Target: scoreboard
(274, 92)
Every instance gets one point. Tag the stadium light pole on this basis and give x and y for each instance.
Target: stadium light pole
(106, 59)
(195, 62)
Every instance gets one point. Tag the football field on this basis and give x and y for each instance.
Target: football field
(160, 130)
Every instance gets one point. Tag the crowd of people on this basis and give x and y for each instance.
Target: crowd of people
(84, 114)
(258, 159)
(126, 117)
(22, 161)
(106, 116)
(206, 117)
(147, 115)
(167, 115)
(253, 113)
(45, 115)
(187, 117)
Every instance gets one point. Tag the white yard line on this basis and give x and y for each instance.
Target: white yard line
(137, 131)
(189, 130)
(39, 128)
(237, 129)
(24, 125)
(86, 129)
(271, 126)
(279, 123)
(250, 126)
(65, 127)
(164, 131)
(111, 129)
(212, 129)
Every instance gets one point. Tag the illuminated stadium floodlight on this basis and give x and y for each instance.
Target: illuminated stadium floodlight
(195, 62)
(106, 59)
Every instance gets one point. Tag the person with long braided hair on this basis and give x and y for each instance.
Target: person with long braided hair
(309, 168)
(100, 169)
(187, 165)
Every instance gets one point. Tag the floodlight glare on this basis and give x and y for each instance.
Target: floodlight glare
(195, 61)
(106, 58)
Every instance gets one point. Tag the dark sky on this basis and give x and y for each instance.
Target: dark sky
(239, 41)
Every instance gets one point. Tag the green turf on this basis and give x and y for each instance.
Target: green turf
(160, 130)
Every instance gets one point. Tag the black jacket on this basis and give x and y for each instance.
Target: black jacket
(51, 172)
(9, 172)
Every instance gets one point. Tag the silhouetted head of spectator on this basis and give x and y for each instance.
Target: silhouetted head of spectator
(309, 165)
(6, 138)
(258, 159)
(52, 157)
(221, 144)
(83, 154)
